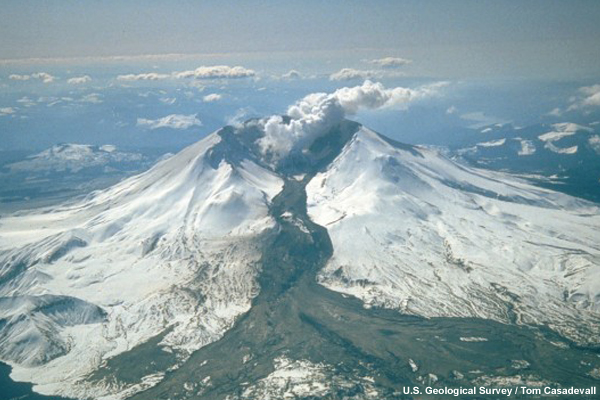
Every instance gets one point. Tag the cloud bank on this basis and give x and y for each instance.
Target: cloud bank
(216, 72)
(591, 95)
(291, 74)
(7, 110)
(173, 121)
(93, 98)
(209, 98)
(78, 80)
(43, 76)
(315, 113)
(150, 76)
(347, 74)
(588, 96)
(390, 62)
(203, 72)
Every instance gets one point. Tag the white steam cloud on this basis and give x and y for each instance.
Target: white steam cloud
(315, 113)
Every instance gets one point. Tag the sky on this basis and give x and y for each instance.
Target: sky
(164, 74)
(535, 38)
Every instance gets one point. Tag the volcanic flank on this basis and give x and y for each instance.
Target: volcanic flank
(302, 255)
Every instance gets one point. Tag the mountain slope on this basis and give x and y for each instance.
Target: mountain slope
(414, 231)
(172, 251)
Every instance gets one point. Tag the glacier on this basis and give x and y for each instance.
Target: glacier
(414, 231)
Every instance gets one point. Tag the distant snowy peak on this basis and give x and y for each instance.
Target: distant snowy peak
(562, 130)
(415, 231)
(74, 157)
(574, 134)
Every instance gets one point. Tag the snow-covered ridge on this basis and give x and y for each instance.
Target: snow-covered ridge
(176, 247)
(74, 157)
(415, 231)
(562, 130)
(493, 143)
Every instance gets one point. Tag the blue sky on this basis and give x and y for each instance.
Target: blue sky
(164, 74)
(536, 38)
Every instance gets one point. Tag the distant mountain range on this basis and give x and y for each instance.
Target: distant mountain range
(67, 170)
(564, 156)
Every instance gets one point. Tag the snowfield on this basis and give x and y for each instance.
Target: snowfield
(414, 231)
(174, 250)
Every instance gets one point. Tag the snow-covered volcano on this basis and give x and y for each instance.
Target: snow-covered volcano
(172, 257)
(173, 250)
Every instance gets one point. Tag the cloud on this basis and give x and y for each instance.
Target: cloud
(151, 76)
(555, 112)
(43, 76)
(588, 96)
(390, 62)
(79, 80)
(173, 121)
(168, 100)
(594, 142)
(479, 119)
(26, 102)
(312, 115)
(212, 97)
(216, 72)
(346, 74)
(7, 110)
(93, 98)
(292, 74)
(240, 116)
(592, 95)
(203, 72)
(17, 77)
